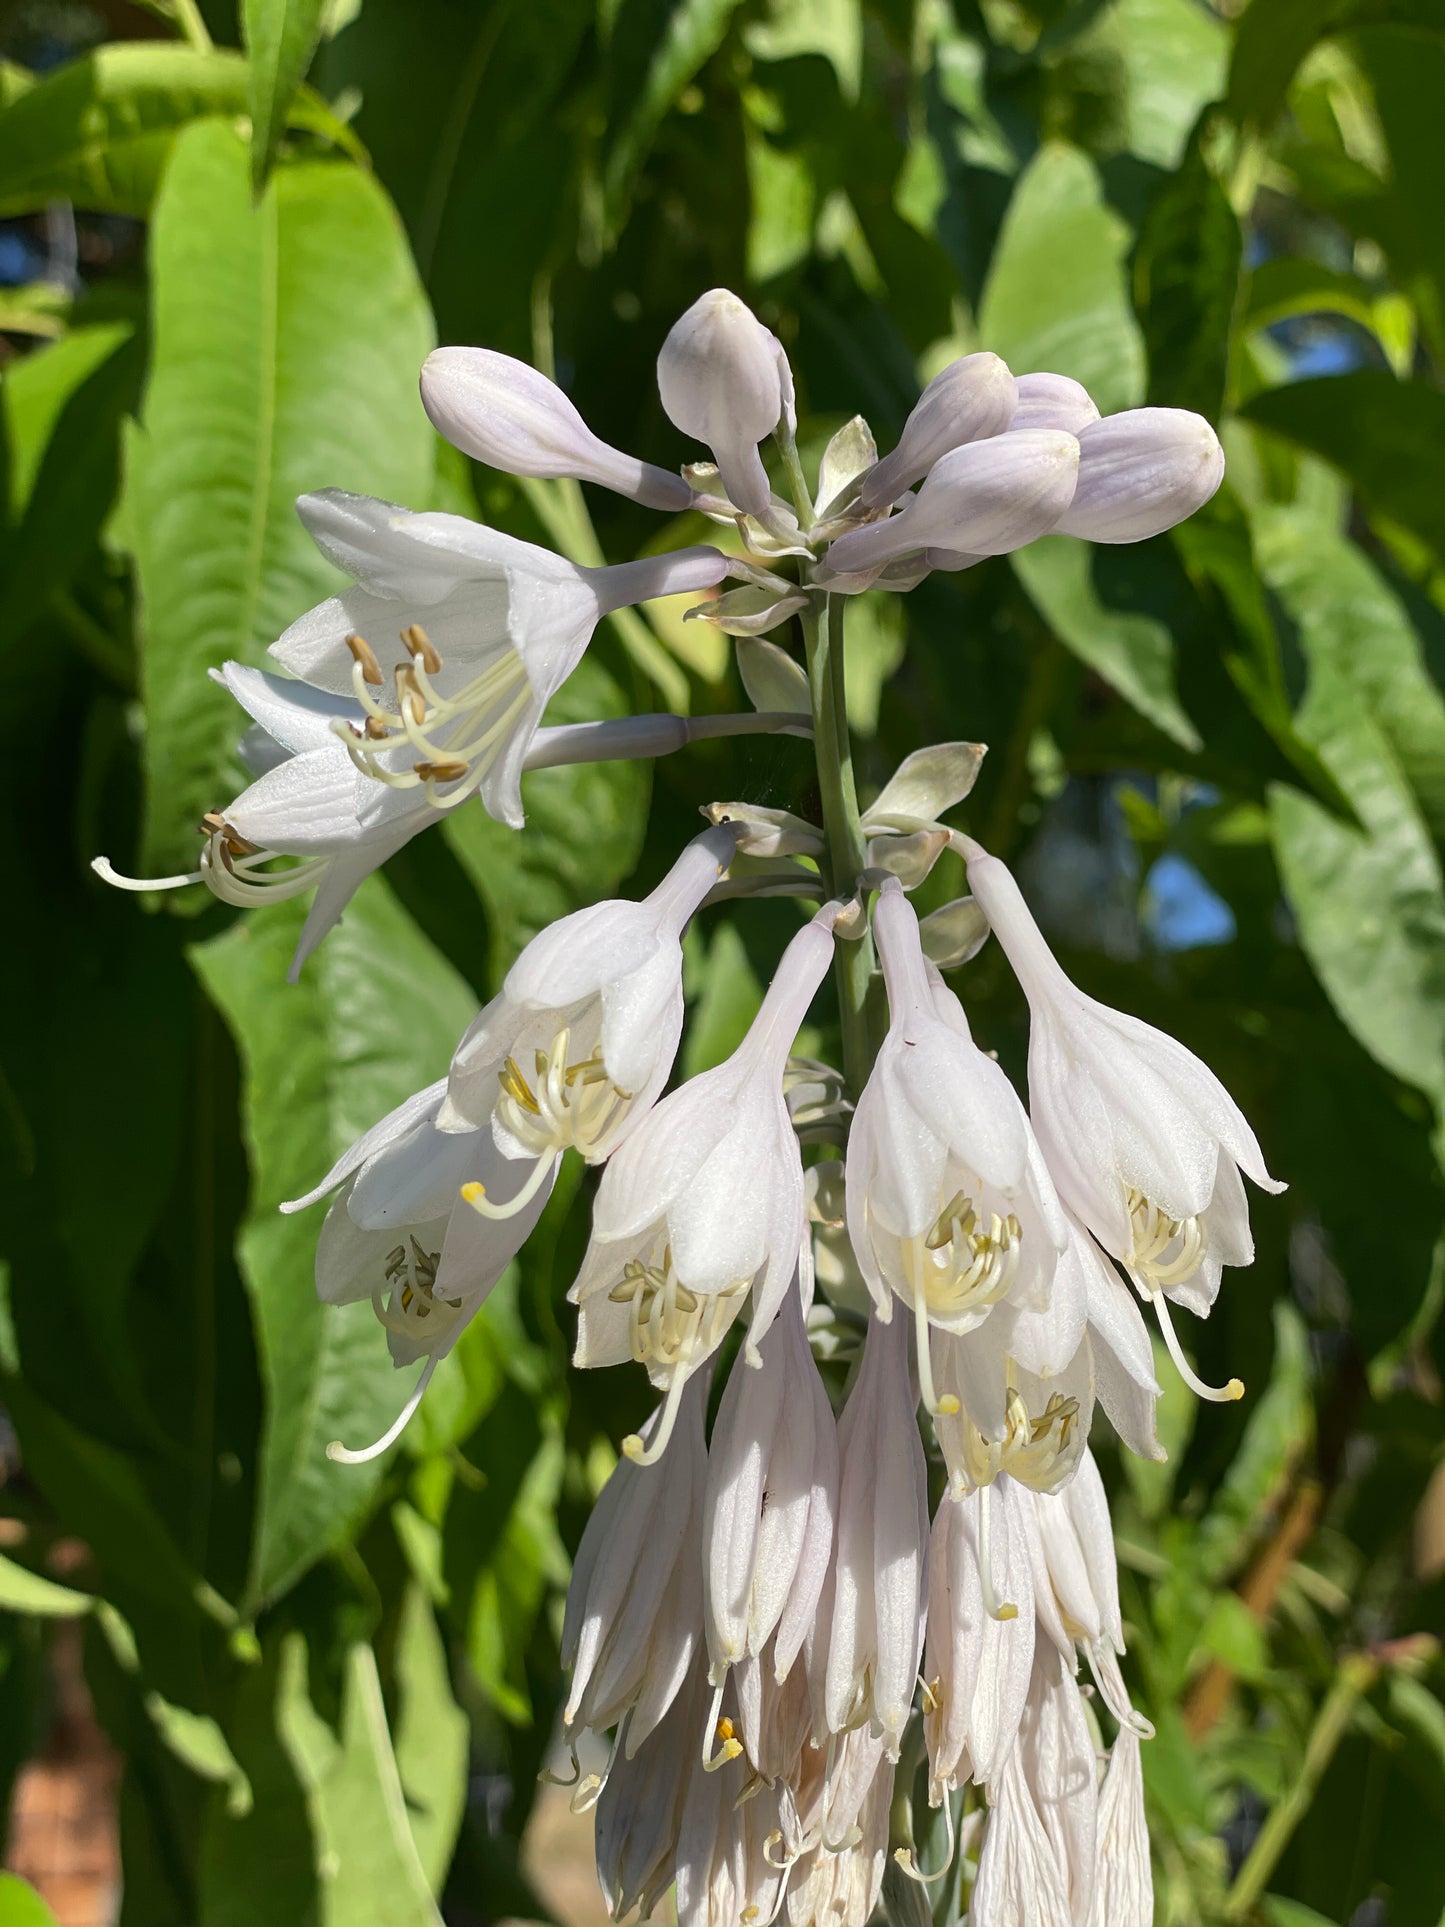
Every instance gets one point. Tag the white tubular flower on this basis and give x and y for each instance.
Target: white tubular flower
(580, 1041)
(703, 1203)
(984, 499)
(1053, 401)
(881, 1563)
(1124, 1883)
(774, 1720)
(726, 1875)
(1124, 1380)
(970, 400)
(724, 379)
(949, 1203)
(979, 1655)
(508, 415)
(1076, 1542)
(399, 1235)
(1141, 472)
(639, 1809)
(772, 1492)
(1144, 1143)
(839, 1885)
(506, 624)
(634, 1604)
(1010, 1419)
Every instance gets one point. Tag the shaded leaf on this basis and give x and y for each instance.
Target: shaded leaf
(281, 36)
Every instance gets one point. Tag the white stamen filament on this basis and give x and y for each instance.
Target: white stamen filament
(343, 1455)
(1154, 1235)
(719, 1742)
(567, 1105)
(489, 704)
(904, 1855)
(1216, 1394)
(475, 1193)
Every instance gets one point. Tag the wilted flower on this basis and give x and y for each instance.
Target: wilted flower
(505, 413)
(881, 1562)
(580, 1041)
(949, 1203)
(639, 1809)
(703, 1202)
(1124, 1882)
(1144, 1143)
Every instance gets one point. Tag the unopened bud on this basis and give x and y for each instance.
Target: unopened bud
(970, 400)
(1053, 401)
(1141, 472)
(724, 379)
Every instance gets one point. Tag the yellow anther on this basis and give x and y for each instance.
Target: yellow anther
(361, 652)
(420, 644)
(440, 772)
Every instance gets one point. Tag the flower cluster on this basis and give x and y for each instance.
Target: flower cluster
(762, 1610)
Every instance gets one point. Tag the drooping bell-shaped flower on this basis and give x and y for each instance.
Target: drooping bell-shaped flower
(1020, 1883)
(1143, 1141)
(881, 1562)
(1124, 1884)
(580, 1040)
(1054, 1761)
(772, 1492)
(979, 1654)
(634, 1604)
(504, 413)
(999, 1417)
(452, 708)
(1119, 1346)
(982, 499)
(1141, 472)
(950, 1207)
(1076, 1541)
(703, 1202)
(399, 1235)
(973, 398)
(725, 380)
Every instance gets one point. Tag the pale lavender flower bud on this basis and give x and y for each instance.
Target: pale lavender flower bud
(1145, 1144)
(881, 1564)
(1141, 472)
(724, 379)
(634, 1604)
(1053, 401)
(984, 499)
(506, 414)
(970, 400)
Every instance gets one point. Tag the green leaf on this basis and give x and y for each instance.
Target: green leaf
(1134, 653)
(21, 1906)
(1055, 296)
(1186, 270)
(1282, 1912)
(433, 1737)
(1173, 55)
(1274, 36)
(281, 37)
(99, 131)
(374, 1019)
(287, 339)
(1279, 1432)
(24, 1591)
(584, 831)
(1384, 434)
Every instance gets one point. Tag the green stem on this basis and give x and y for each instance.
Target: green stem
(187, 16)
(845, 853)
(1357, 1675)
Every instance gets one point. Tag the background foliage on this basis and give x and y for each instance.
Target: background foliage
(1219, 759)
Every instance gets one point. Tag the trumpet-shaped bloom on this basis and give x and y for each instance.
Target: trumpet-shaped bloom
(634, 1604)
(505, 413)
(453, 708)
(772, 1491)
(399, 1235)
(703, 1202)
(724, 378)
(1144, 1143)
(1140, 472)
(970, 400)
(950, 1206)
(881, 1563)
(979, 1658)
(1001, 1417)
(982, 499)
(580, 1041)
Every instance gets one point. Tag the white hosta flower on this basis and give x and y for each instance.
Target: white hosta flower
(1076, 1541)
(1053, 401)
(775, 1719)
(703, 1202)
(399, 1235)
(1143, 1141)
(1124, 1884)
(838, 1885)
(983, 499)
(970, 400)
(979, 1655)
(1019, 1884)
(772, 1491)
(639, 1810)
(634, 1603)
(1119, 1346)
(504, 413)
(726, 1875)
(1140, 472)
(949, 1204)
(724, 379)
(579, 1042)
(881, 1562)
(453, 707)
